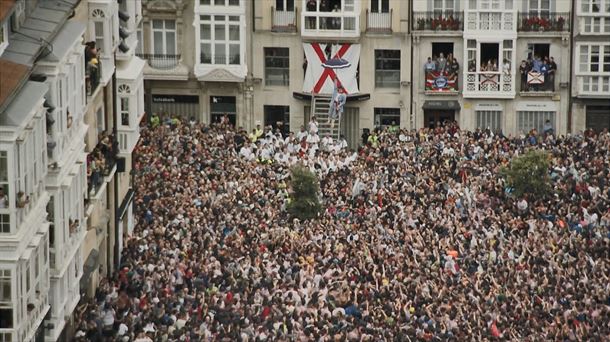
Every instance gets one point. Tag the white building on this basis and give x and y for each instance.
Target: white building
(502, 34)
(62, 224)
(591, 61)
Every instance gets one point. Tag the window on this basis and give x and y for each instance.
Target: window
(163, 37)
(277, 66)
(387, 117)
(5, 223)
(5, 288)
(220, 39)
(99, 35)
(51, 219)
(4, 189)
(443, 8)
(124, 111)
(219, 2)
(528, 120)
(140, 37)
(3, 36)
(594, 58)
(387, 68)
(590, 6)
(100, 120)
(380, 6)
(489, 119)
(538, 50)
(539, 8)
(284, 5)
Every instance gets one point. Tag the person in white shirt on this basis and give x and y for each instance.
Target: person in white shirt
(246, 152)
(302, 133)
(313, 125)
(326, 143)
(313, 140)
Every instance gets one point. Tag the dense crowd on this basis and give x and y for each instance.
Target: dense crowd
(420, 239)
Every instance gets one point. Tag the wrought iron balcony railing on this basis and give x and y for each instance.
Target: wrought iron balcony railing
(438, 21)
(535, 21)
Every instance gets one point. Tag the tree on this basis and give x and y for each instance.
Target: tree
(529, 174)
(304, 202)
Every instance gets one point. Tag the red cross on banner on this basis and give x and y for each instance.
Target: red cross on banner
(327, 72)
(320, 80)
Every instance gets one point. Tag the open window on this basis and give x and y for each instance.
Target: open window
(441, 48)
(538, 51)
(489, 56)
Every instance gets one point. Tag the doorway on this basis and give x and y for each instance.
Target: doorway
(221, 106)
(434, 118)
(278, 117)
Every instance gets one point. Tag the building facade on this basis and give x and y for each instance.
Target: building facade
(503, 65)
(497, 46)
(69, 116)
(591, 65)
(247, 60)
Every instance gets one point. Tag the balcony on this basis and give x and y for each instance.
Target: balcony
(488, 84)
(284, 21)
(435, 21)
(100, 163)
(160, 61)
(441, 82)
(93, 74)
(500, 21)
(330, 25)
(537, 84)
(379, 22)
(544, 22)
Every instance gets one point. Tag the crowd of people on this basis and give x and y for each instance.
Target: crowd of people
(420, 239)
(444, 65)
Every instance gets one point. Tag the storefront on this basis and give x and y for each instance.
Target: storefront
(533, 115)
(598, 115)
(182, 105)
(439, 112)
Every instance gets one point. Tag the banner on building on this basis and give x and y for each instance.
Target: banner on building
(534, 77)
(440, 81)
(320, 80)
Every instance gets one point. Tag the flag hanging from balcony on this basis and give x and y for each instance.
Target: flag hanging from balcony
(440, 81)
(534, 77)
(320, 79)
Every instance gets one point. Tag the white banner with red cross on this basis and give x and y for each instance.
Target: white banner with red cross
(319, 80)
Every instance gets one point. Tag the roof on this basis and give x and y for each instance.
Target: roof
(12, 75)
(20, 109)
(37, 30)
(6, 6)
(64, 41)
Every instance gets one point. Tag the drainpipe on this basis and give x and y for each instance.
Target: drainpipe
(411, 115)
(570, 100)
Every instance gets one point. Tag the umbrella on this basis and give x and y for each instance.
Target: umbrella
(336, 63)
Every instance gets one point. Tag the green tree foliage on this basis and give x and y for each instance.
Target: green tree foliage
(304, 201)
(529, 174)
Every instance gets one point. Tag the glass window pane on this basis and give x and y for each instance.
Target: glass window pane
(219, 32)
(169, 24)
(158, 42)
(234, 54)
(234, 32)
(220, 55)
(206, 53)
(206, 32)
(170, 43)
(157, 24)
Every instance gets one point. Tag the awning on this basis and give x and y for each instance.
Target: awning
(350, 98)
(442, 105)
